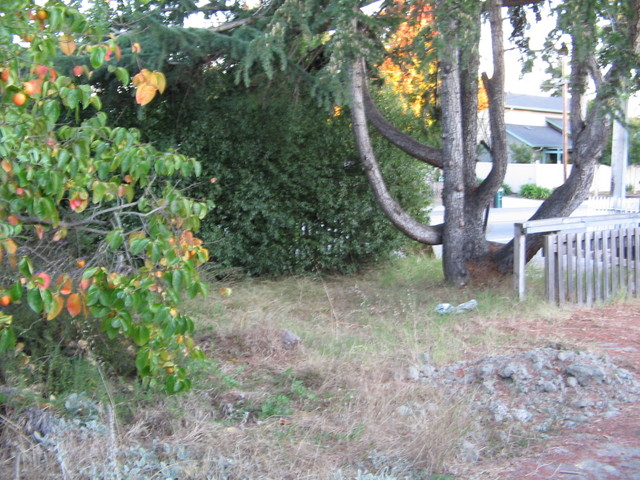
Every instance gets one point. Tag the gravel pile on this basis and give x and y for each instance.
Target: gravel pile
(539, 390)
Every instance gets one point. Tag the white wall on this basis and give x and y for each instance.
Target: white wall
(552, 175)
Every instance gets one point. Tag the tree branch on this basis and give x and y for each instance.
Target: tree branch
(406, 143)
(233, 24)
(429, 235)
(520, 3)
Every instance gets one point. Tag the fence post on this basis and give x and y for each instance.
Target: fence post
(519, 244)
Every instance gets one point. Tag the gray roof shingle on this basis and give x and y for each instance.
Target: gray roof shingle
(532, 102)
(537, 137)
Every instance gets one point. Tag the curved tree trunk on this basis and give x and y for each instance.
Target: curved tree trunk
(430, 235)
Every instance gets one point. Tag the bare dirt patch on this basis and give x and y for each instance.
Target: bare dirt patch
(605, 447)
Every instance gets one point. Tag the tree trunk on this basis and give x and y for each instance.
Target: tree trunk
(453, 191)
(429, 235)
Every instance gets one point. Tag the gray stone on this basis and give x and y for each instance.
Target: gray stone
(413, 373)
(521, 414)
(486, 370)
(469, 452)
(289, 339)
(581, 402)
(403, 410)
(572, 382)
(564, 355)
(547, 387)
(585, 373)
(499, 410)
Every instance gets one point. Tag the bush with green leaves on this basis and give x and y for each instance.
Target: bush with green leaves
(533, 191)
(290, 193)
(92, 228)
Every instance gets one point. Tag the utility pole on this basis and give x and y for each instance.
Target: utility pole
(619, 157)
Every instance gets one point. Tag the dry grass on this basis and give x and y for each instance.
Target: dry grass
(339, 401)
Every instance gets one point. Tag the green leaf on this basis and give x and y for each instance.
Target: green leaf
(99, 189)
(140, 335)
(16, 291)
(35, 300)
(71, 97)
(96, 102)
(25, 266)
(122, 74)
(115, 238)
(138, 244)
(7, 340)
(143, 362)
(93, 295)
(51, 110)
(177, 279)
(108, 328)
(90, 272)
(97, 56)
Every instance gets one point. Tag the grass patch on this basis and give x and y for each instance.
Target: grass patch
(337, 402)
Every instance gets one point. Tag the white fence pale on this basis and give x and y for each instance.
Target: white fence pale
(593, 266)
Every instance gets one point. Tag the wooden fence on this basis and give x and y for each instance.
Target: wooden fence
(589, 267)
(558, 226)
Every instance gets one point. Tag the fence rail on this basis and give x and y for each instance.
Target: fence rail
(593, 266)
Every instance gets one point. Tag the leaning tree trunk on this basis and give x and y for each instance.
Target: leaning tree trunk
(429, 235)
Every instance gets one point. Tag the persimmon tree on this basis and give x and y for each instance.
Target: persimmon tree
(91, 227)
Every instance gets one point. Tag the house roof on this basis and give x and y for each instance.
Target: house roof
(557, 124)
(533, 103)
(537, 137)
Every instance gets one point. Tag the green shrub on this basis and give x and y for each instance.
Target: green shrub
(507, 189)
(290, 194)
(536, 192)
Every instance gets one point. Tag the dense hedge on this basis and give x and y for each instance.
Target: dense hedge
(290, 194)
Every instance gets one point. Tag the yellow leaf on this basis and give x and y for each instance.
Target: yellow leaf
(10, 246)
(141, 78)
(135, 48)
(67, 44)
(145, 93)
(39, 231)
(56, 307)
(60, 234)
(159, 81)
(74, 304)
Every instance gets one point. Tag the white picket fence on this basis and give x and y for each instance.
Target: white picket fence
(610, 204)
(592, 266)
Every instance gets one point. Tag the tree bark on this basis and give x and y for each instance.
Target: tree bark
(406, 143)
(453, 191)
(430, 235)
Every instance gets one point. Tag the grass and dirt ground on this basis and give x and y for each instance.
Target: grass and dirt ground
(323, 378)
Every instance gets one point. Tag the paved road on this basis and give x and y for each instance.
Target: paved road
(514, 209)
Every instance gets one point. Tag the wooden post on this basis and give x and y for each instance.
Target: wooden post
(519, 244)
